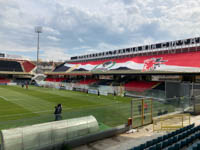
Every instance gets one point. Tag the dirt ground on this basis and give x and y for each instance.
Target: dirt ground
(129, 140)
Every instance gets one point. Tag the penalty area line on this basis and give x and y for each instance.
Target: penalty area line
(4, 98)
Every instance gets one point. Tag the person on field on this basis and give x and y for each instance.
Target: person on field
(22, 85)
(58, 111)
(27, 86)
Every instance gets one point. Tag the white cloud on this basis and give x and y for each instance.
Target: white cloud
(51, 31)
(8, 46)
(106, 47)
(53, 38)
(54, 53)
(81, 40)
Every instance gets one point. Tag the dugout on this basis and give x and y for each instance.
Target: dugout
(39, 136)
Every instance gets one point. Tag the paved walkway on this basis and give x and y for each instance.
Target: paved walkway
(126, 141)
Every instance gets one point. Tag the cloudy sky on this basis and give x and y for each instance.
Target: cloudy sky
(75, 27)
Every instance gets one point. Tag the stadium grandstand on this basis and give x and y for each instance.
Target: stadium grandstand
(184, 138)
(134, 70)
(15, 70)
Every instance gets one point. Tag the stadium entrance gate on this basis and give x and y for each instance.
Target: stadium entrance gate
(141, 112)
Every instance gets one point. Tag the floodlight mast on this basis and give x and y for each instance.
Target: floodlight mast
(38, 30)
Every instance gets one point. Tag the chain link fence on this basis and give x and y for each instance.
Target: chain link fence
(143, 110)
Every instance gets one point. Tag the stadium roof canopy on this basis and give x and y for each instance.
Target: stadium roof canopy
(121, 72)
(15, 73)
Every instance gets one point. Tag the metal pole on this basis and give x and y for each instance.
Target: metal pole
(196, 45)
(165, 89)
(132, 111)
(192, 89)
(182, 121)
(84, 83)
(38, 30)
(151, 110)
(38, 51)
(142, 112)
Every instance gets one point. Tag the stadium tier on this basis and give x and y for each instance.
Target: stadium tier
(15, 71)
(185, 138)
(181, 56)
(87, 81)
(61, 68)
(6, 65)
(4, 80)
(140, 86)
(155, 63)
(55, 79)
(16, 65)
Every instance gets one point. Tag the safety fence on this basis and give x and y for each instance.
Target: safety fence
(143, 110)
(164, 90)
(171, 122)
(159, 94)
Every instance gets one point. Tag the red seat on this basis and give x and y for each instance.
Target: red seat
(139, 86)
(4, 80)
(87, 81)
(55, 79)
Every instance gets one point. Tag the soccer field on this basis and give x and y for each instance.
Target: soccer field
(19, 107)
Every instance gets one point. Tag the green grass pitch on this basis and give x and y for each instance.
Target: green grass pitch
(19, 107)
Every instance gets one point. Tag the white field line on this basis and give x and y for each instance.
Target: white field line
(4, 98)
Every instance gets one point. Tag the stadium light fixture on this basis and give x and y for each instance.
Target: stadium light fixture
(38, 30)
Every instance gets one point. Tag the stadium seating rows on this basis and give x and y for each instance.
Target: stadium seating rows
(55, 79)
(104, 82)
(61, 68)
(28, 66)
(140, 86)
(4, 80)
(194, 146)
(6, 65)
(87, 81)
(187, 136)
